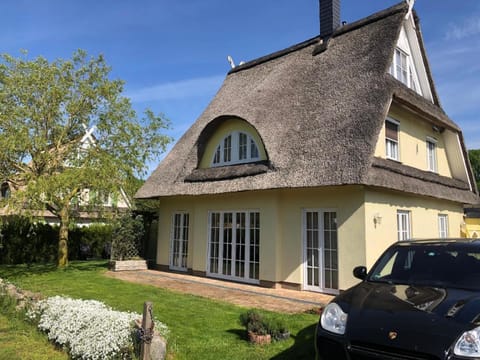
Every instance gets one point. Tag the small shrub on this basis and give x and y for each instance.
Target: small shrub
(277, 329)
(254, 322)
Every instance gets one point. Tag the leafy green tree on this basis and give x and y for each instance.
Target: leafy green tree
(46, 110)
(474, 157)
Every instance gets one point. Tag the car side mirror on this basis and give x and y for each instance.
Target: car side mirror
(360, 272)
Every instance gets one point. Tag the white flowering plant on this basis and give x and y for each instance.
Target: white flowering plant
(88, 329)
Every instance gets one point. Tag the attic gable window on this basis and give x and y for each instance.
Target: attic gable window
(402, 69)
(391, 139)
(236, 148)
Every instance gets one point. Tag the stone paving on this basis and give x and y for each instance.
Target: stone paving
(250, 296)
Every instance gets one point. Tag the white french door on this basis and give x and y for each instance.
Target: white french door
(320, 250)
(179, 242)
(234, 245)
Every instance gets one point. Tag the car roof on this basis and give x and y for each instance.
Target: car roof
(440, 242)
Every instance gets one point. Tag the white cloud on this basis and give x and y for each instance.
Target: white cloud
(468, 28)
(177, 90)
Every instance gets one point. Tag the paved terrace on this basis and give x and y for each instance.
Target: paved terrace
(250, 296)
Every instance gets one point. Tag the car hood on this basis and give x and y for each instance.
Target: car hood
(420, 318)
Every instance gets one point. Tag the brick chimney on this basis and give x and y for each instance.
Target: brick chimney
(329, 17)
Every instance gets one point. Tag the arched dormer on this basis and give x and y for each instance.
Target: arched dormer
(233, 141)
(229, 147)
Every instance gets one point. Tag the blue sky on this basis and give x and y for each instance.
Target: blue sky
(172, 54)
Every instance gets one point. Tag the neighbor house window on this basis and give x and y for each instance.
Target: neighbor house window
(236, 148)
(5, 190)
(403, 70)
(442, 226)
(391, 139)
(432, 154)
(403, 225)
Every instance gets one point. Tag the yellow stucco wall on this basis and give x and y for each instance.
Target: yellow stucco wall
(472, 227)
(413, 133)
(423, 217)
(281, 250)
(223, 130)
(360, 240)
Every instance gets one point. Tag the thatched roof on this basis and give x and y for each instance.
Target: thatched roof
(318, 107)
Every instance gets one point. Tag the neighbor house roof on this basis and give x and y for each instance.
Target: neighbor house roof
(318, 107)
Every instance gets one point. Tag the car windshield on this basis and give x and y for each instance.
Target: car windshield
(448, 265)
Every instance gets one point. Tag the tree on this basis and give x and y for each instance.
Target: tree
(474, 157)
(46, 109)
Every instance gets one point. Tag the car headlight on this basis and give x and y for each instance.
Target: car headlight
(333, 319)
(468, 344)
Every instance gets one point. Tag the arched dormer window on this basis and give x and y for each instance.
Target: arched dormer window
(236, 148)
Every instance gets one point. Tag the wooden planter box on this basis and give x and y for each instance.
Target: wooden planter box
(127, 265)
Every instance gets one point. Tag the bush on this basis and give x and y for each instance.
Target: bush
(23, 241)
(127, 236)
(254, 322)
(91, 241)
(88, 329)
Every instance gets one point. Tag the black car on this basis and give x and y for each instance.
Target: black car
(421, 300)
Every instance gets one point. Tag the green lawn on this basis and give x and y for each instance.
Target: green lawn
(20, 340)
(200, 328)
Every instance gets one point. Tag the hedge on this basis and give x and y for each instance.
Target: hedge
(23, 241)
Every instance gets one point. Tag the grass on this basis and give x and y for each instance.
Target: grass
(20, 340)
(200, 328)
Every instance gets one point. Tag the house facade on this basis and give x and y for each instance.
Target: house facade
(314, 159)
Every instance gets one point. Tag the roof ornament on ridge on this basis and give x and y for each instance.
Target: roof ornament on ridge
(232, 63)
(410, 8)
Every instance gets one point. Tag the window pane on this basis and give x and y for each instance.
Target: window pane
(242, 146)
(227, 149)
(253, 149)
(443, 225)
(216, 158)
(431, 156)
(391, 130)
(403, 225)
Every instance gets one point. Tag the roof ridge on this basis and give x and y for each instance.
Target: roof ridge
(402, 6)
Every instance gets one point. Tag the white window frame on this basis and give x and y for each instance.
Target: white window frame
(443, 226)
(404, 70)
(322, 250)
(247, 278)
(431, 145)
(404, 225)
(183, 239)
(230, 155)
(392, 146)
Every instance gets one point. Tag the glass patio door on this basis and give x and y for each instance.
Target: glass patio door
(320, 251)
(179, 243)
(234, 243)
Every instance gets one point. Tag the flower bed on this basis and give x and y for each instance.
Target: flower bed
(89, 329)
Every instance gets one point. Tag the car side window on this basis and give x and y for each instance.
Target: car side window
(388, 268)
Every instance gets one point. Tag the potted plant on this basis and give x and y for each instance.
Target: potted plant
(277, 329)
(256, 327)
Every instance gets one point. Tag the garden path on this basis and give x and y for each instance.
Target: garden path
(250, 296)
